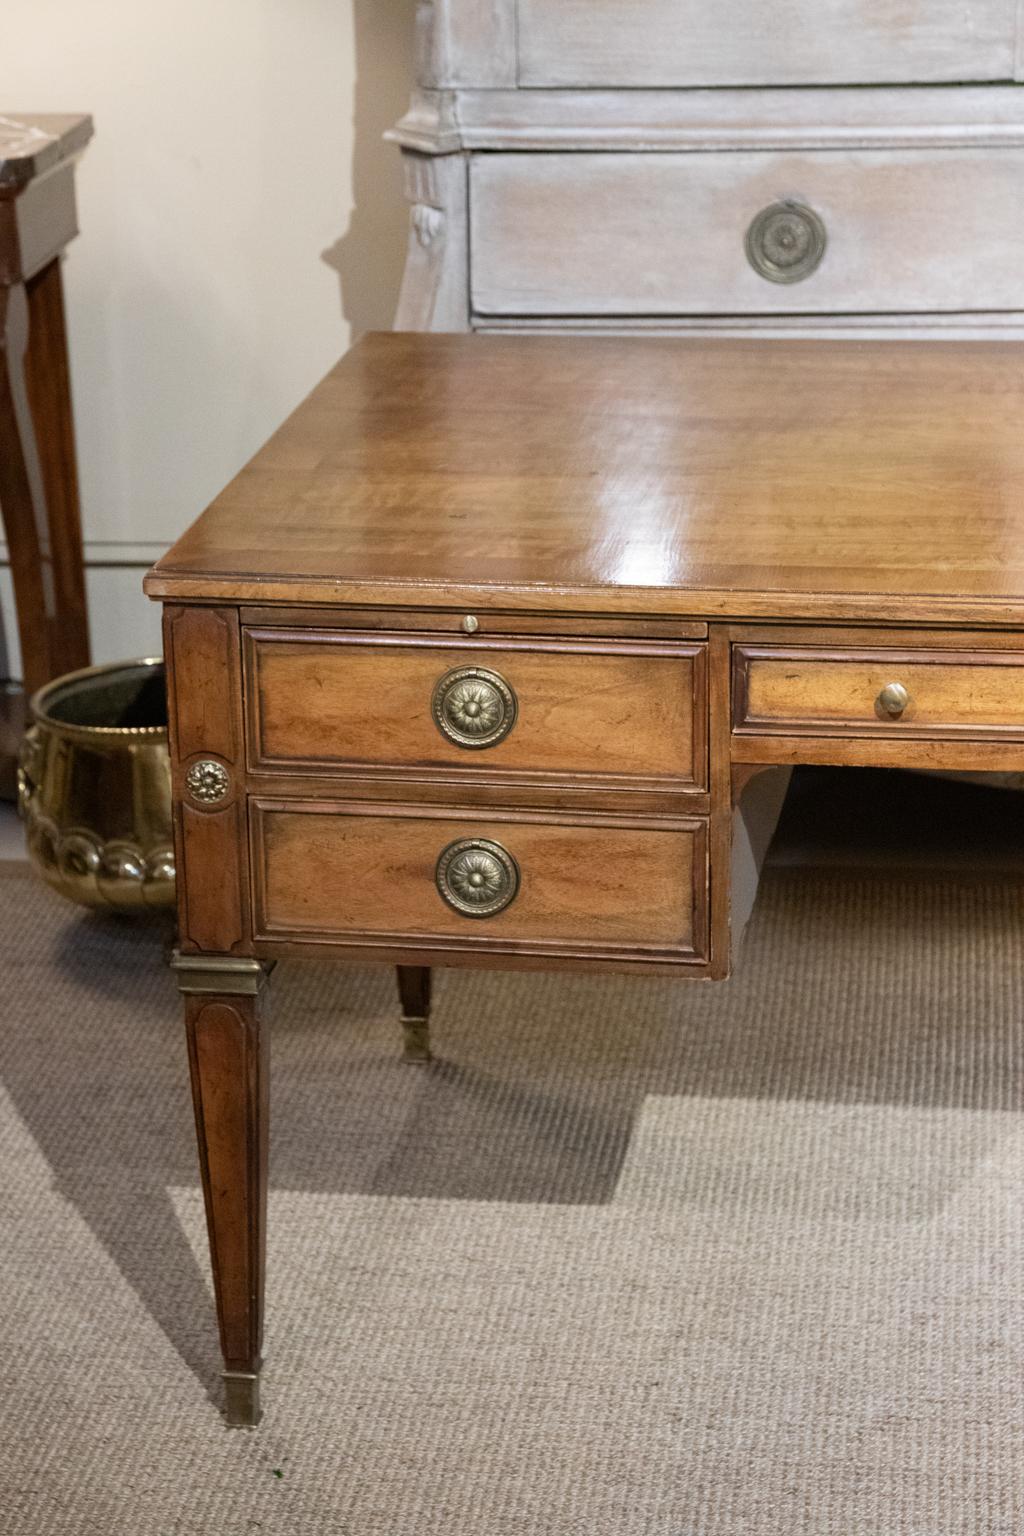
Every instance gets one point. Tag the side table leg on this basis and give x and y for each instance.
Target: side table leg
(228, 1049)
(39, 480)
(48, 385)
(22, 498)
(414, 995)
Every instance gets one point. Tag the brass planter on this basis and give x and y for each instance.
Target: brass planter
(94, 787)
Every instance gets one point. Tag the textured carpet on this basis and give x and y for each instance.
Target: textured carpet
(633, 1257)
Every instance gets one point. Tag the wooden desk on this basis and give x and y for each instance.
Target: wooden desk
(472, 663)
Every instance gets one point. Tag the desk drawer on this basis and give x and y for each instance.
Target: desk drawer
(797, 689)
(600, 712)
(745, 42)
(630, 888)
(871, 232)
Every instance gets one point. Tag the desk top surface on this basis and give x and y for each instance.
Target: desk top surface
(789, 479)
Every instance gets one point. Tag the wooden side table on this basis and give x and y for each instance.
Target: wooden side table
(38, 477)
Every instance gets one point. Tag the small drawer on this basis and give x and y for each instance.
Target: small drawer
(743, 42)
(399, 876)
(747, 233)
(849, 692)
(599, 712)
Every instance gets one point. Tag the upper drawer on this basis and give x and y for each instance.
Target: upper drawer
(745, 42)
(625, 714)
(797, 689)
(870, 231)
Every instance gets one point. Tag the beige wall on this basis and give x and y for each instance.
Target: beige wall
(240, 221)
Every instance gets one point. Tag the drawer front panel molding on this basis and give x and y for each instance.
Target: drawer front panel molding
(897, 692)
(599, 713)
(743, 42)
(896, 230)
(608, 887)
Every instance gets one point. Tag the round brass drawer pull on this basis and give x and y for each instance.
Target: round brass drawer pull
(786, 242)
(476, 877)
(473, 707)
(893, 700)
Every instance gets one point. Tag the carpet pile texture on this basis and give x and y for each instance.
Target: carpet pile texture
(632, 1258)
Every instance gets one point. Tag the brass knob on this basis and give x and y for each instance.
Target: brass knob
(786, 242)
(476, 877)
(893, 699)
(470, 624)
(473, 707)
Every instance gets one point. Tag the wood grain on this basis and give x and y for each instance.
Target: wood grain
(48, 385)
(204, 697)
(229, 1059)
(589, 885)
(951, 693)
(554, 234)
(737, 42)
(592, 713)
(639, 476)
(587, 626)
(690, 560)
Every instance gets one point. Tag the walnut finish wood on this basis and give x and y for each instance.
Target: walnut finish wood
(590, 885)
(48, 385)
(790, 690)
(229, 1059)
(588, 714)
(488, 622)
(692, 561)
(204, 693)
(710, 479)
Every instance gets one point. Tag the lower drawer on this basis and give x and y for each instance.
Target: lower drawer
(600, 886)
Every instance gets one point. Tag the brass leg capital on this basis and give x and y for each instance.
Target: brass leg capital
(234, 975)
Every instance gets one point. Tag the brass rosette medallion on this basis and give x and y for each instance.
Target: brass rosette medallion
(207, 781)
(786, 242)
(477, 878)
(473, 707)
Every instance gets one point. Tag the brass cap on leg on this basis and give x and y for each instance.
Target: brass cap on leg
(242, 1399)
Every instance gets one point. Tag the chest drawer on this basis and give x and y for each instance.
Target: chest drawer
(400, 875)
(744, 42)
(830, 232)
(856, 692)
(597, 712)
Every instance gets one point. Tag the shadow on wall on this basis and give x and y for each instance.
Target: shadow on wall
(370, 255)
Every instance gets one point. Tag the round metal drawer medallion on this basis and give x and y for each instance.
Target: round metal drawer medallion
(473, 707)
(786, 242)
(207, 781)
(476, 877)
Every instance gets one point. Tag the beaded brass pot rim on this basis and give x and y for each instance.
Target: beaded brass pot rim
(94, 786)
(75, 705)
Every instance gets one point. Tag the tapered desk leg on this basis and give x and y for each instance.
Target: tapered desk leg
(414, 995)
(229, 1059)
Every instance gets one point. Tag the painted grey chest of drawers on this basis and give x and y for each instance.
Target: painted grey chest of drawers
(809, 167)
